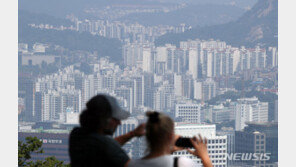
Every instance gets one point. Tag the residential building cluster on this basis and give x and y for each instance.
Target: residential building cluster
(198, 58)
(125, 31)
(170, 79)
(179, 81)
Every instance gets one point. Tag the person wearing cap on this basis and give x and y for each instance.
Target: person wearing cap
(92, 143)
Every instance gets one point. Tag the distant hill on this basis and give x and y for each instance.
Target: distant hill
(61, 8)
(25, 17)
(257, 26)
(194, 15)
(68, 39)
(238, 3)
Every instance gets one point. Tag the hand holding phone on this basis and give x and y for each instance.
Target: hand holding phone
(184, 142)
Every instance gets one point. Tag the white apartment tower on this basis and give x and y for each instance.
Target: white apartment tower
(193, 63)
(178, 84)
(147, 60)
(88, 89)
(197, 87)
(209, 89)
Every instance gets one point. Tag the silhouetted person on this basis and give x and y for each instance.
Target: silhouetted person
(92, 144)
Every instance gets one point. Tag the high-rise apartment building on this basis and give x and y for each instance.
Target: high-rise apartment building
(187, 86)
(178, 85)
(164, 97)
(138, 90)
(148, 61)
(209, 63)
(272, 57)
(88, 88)
(148, 89)
(180, 61)
(132, 54)
(209, 89)
(197, 87)
(193, 63)
(26, 90)
(253, 59)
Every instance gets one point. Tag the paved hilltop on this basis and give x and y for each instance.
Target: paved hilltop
(257, 26)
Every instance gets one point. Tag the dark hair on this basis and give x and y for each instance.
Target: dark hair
(159, 128)
(96, 114)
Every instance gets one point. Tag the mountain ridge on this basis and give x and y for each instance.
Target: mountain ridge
(200, 15)
(257, 26)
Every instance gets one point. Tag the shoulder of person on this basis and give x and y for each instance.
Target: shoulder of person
(104, 139)
(162, 160)
(184, 161)
(134, 162)
(75, 131)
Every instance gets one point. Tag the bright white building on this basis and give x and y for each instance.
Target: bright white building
(161, 54)
(197, 87)
(250, 110)
(178, 84)
(209, 63)
(217, 145)
(147, 60)
(193, 63)
(188, 112)
(274, 56)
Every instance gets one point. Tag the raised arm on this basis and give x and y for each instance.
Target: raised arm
(139, 131)
(201, 150)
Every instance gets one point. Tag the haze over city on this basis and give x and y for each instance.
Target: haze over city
(212, 66)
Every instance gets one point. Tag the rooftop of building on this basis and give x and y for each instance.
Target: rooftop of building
(54, 131)
(262, 124)
(179, 124)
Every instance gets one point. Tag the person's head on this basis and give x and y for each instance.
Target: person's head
(102, 114)
(159, 131)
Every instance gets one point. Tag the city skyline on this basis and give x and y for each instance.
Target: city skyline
(199, 82)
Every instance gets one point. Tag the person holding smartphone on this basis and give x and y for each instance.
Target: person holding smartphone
(161, 144)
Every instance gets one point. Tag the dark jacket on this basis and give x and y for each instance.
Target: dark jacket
(95, 150)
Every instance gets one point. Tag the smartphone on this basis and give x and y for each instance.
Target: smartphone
(184, 142)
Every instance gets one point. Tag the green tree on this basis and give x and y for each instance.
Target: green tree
(33, 145)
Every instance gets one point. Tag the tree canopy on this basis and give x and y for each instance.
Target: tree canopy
(34, 145)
